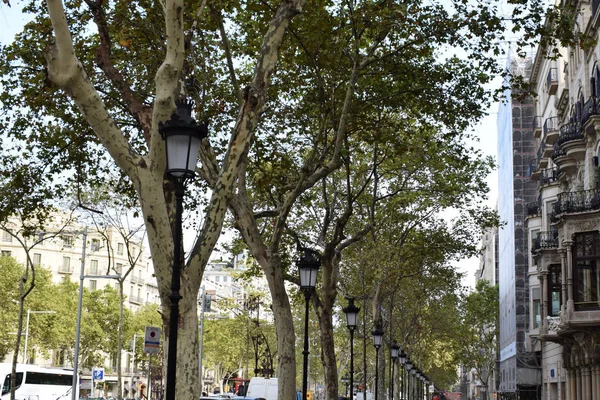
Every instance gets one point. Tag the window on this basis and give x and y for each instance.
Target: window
(66, 264)
(554, 289)
(94, 267)
(119, 268)
(7, 235)
(5, 253)
(93, 284)
(95, 245)
(549, 212)
(6, 383)
(585, 270)
(67, 242)
(120, 248)
(37, 259)
(41, 378)
(535, 309)
(217, 278)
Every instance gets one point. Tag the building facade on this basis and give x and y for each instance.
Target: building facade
(564, 222)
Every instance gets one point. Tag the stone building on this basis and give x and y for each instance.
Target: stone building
(563, 223)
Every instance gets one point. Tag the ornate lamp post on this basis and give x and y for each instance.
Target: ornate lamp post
(409, 366)
(351, 311)
(394, 349)
(415, 385)
(182, 136)
(345, 381)
(377, 341)
(402, 360)
(308, 267)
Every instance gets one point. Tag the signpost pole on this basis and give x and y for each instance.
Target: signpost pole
(148, 391)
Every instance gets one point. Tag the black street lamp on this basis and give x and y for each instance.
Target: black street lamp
(345, 381)
(415, 385)
(182, 136)
(409, 366)
(377, 341)
(351, 311)
(394, 349)
(402, 360)
(308, 267)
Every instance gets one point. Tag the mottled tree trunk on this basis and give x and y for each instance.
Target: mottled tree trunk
(324, 314)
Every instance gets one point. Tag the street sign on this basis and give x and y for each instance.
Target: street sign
(98, 374)
(152, 340)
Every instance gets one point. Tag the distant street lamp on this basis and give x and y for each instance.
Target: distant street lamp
(394, 349)
(345, 381)
(413, 372)
(377, 341)
(402, 360)
(351, 311)
(409, 366)
(29, 312)
(182, 136)
(308, 267)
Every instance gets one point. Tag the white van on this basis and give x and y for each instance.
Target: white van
(33, 382)
(265, 388)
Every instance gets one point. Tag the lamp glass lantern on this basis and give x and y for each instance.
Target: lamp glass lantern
(182, 136)
(377, 337)
(394, 349)
(409, 364)
(351, 311)
(402, 357)
(345, 379)
(308, 267)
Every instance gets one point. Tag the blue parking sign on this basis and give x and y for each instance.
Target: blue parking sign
(98, 374)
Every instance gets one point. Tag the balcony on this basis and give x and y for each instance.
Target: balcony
(577, 202)
(551, 131)
(65, 269)
(552, 81)
(135, 300)
(532, 209)
(548, 176)
(137, 279)
(545, 240)
(537, 126)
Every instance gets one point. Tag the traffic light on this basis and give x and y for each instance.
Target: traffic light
(308, 395)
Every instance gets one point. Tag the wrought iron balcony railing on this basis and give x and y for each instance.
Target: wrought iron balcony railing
(545, 240)
(569, 132)
(551, 124)
(548, 175)
(589, 109)
(575, 202)
(557, 151)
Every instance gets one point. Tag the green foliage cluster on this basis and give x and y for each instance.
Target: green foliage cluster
(54, 334)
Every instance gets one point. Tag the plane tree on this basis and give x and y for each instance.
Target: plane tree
(284, 86)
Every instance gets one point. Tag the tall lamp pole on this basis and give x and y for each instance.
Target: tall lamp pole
(394, 349)
(377, 341)
(351, 311)
(402, 360)
(182, 136)
(409, 366)
(415, 385)
(308, 267)
(345, 381)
